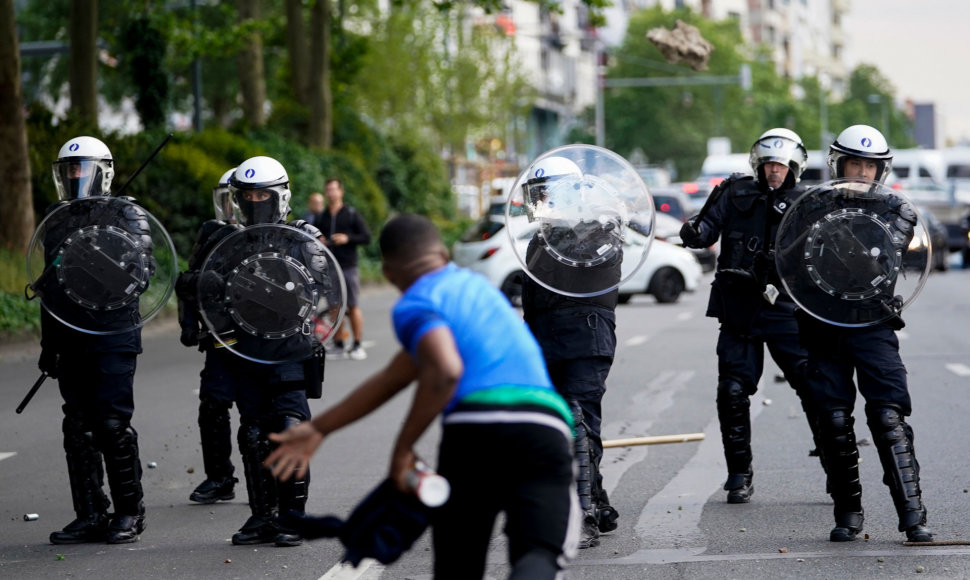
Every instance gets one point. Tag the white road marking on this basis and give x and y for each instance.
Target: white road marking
(669, 522)
(7, 454)
(636, 340)
(961, 370)
(685, 316)
(367, 570)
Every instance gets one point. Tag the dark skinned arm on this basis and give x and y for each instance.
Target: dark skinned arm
(439, 369)
(300, 442)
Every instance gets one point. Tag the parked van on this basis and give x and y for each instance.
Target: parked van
(957, 160)
(717, 167)
(914, 167)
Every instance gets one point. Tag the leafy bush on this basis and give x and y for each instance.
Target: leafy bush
(17, 314)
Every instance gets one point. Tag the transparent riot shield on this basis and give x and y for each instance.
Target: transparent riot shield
(853, 252)
(573, 238)
(101, 265)
(270, 293)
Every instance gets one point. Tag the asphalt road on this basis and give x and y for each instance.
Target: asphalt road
(673, 519)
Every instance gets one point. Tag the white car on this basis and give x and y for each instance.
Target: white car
(667, 272)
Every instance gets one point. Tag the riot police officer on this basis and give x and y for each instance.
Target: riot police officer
(746, 296)
(871, 352)
(95, 372)
(215, 388)
(578, 340)
(270, 396)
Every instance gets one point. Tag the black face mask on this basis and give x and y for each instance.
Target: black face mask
(258, 212)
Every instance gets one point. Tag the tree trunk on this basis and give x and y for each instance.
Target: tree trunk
(252, 82)
(321, 100)
(17, 217)
(83, 61)
(296, 47)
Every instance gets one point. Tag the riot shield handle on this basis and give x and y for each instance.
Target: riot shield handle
(32, 392)
(144, 164)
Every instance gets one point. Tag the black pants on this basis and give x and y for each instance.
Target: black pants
(96, 386)
(741, 357)
(520, 468)
(871, 353)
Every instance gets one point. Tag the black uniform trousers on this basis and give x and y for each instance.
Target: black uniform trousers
(740, 366)
(265, 393)
(872, 353)
(741, 357)
(216, 378)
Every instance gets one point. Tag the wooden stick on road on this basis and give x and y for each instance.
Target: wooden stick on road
(654, 440)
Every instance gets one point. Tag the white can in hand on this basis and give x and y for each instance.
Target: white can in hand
(432, 489)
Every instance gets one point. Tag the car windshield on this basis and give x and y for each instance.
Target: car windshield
(482, 230)
(498, 209)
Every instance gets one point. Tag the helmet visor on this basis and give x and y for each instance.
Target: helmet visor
(77, 178)
(778, 150)
(222, 203)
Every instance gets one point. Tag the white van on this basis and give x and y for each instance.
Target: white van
(957, 160)
(721, 166)
(914, 167)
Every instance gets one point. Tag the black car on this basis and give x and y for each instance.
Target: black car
(939, 242)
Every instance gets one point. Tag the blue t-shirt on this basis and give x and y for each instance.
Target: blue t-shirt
(495, 345)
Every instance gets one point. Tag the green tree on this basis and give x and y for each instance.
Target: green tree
(17, 217)
(672, 124)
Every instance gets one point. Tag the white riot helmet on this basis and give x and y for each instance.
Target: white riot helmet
(263, 175)
(221, 199)
(84, 168)
(864, 142)
(541, 174)
(779, 145)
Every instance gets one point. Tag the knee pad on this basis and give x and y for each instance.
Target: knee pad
(732, 394)
(249, 436)
(114, 431)
(884, 419)
(837, 423)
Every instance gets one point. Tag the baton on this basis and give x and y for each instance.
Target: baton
(655, 440)
(143, 165)
(32, 392)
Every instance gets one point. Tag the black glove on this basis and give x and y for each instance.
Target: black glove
(189, 337)
(48, 362)
(689, 234)
(186, 286)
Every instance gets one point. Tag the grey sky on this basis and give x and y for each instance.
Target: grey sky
(922, 47)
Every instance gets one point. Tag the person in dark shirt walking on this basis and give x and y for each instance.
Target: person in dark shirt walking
(344, 230)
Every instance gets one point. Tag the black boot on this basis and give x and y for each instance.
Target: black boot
(216, 434)
(261, 525)
(292, 497)
(733, 413)
(119, 445)
(894, 442)
(589, 534)
(87, 477)
(838, 445)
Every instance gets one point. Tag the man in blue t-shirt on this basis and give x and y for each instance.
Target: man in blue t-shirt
(477, 365)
